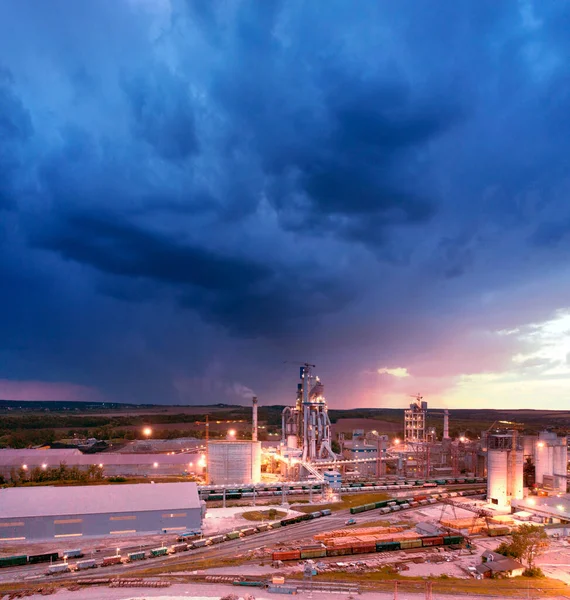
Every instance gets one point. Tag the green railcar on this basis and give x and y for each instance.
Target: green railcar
(13, 561)
(452, 539)
(259, 584)
(387, 546)
(45, 557)
(159, 552)
(356, 509)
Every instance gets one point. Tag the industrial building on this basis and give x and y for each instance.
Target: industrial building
(551, 460)
(234, 461)
(107, 510)
(113, 464)
(369, 447)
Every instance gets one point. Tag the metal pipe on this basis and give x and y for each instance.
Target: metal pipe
(254, 423)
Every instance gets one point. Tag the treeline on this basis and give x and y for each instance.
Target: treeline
(26, 421)
(62, 473)
(385, 414)
(25, 438)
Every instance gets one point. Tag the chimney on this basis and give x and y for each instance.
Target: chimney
(254, 424)
(446, 424)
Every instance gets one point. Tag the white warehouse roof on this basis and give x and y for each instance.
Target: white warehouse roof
(96, 499)
(53, 458)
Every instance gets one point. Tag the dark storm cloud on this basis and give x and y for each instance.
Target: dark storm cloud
(163, 114)
(247, 296)
(120, 248)
(15, 130)
(342, 182)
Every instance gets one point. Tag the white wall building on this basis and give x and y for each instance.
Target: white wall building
(43, 513)
(551, 460)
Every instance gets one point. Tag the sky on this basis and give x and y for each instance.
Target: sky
(196, 196)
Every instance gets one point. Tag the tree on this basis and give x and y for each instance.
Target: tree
(335, 447)
(527, 544)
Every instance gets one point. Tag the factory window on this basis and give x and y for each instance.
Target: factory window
(123, 518)
(12, 539)
(62, 535)
(66, 521)
(173, 515)
(175, 528)
(12, 524)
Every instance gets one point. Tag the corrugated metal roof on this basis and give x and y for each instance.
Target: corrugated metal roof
(16, 458)
(74, 500)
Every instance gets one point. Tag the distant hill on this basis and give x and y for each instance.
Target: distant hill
(58, 405)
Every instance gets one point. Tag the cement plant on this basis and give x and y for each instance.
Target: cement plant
(309, 512)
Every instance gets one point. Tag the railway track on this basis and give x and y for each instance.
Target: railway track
(283, 536)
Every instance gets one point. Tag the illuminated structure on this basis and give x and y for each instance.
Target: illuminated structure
(232, 461)
(307, 426)
(415, 421)
(504, 468)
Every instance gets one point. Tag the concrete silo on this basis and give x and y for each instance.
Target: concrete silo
(232, 462)
(505, 463)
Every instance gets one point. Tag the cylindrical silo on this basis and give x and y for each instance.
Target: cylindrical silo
(541, 462)
(517, 482)
(497, 470)
(560, 463)
(529, 445)
(232, 462)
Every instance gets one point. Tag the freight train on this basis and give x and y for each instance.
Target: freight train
(32, 559)
(321, 551)
(212, 493)
(396, 504)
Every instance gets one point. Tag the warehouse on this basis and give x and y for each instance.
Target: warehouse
(43, 513)
(112, 463)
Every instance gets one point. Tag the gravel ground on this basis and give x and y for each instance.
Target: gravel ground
(209, 592)
(221, 520)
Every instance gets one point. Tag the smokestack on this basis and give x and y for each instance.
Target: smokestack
(446, 424)
(254, 424)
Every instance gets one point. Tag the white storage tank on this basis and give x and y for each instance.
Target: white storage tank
(542, 461)
(234, 462)
(505, 466)
(497, 476)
